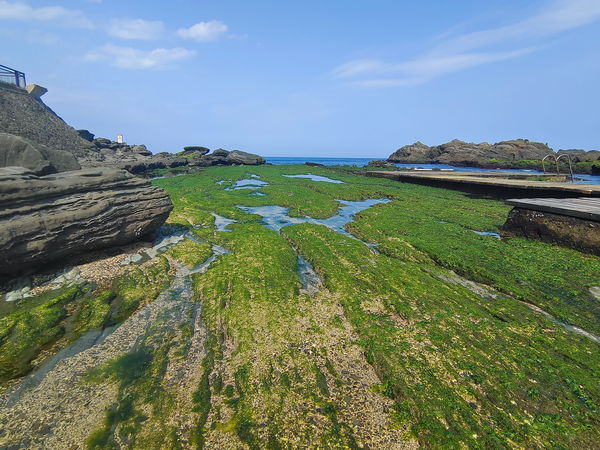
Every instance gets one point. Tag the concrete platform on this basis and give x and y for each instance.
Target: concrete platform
(492, 182)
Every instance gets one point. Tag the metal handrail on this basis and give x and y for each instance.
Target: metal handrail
(570, 164)
(555, 161)
(12, 76)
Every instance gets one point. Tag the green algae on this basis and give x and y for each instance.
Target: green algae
(56, 318)
(461, 365)
(190, 253)
(462, 369)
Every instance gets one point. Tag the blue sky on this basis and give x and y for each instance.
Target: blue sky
(314, 78)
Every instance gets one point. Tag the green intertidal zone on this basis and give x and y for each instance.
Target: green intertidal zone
(426, 341)
(38, 326)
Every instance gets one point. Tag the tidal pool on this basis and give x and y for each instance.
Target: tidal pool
(247, 183)
(276, 217)
(311, 281)
(310, 176)
(222, 223)
(487, 233)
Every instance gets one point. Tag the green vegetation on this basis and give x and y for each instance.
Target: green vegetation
(428, 339)
(139, 286)
(53, 319)
(190, 253)
(465, 364)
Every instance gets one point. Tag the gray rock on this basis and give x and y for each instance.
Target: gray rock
(53, 217)
(581, 155)
(28, 117)
(102, 142)
(196, 149)
(85, 134)
(141, 150)
(239, 157)
(458, 152)
(18, 151)
(220, 152)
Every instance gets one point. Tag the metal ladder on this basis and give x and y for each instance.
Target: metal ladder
(556, 161)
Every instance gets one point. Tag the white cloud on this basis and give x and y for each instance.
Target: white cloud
(204, 31)
(22, 11)
(464, 51)
(132, 58)
(136, 29)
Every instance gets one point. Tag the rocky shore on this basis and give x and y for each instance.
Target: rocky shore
(137, 159)
(513, 154)
(46, 218)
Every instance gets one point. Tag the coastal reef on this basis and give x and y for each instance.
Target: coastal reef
(306, 307)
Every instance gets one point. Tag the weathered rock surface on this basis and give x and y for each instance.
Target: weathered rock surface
(239, 157)
(52, 217)
(196, 149)
(462, 153)
(573, 232)
(23, 115)
(17, 151)
(85, 134)
(581, 155)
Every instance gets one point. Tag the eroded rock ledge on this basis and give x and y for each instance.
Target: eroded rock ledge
(51, 217)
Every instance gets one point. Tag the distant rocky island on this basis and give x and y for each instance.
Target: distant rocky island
(512, 154)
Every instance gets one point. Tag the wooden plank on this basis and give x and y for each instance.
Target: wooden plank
(584, 208)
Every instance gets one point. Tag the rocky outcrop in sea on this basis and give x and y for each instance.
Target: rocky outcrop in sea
(48, 218)
(503, 154)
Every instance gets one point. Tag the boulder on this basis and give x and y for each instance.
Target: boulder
(141, 150)
(314, 164)
(85, 134)
(48, 218)
(196, 149)
(239, 157)
(102, 142)
(18, 151)
(220, 152)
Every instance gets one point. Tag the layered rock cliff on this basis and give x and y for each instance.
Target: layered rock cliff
(47, 218)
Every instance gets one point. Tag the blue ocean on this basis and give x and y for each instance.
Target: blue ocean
(361, 162)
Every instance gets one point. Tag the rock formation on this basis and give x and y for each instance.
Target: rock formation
(41, 160)
(26, 116)
(51, 217)
(461, 153)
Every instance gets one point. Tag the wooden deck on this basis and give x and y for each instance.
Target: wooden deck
(583, 208)
(491, 181)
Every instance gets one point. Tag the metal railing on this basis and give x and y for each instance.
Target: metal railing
(12, 76)
(556, 162)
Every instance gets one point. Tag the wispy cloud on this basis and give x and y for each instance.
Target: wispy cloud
(204, 31)
(24, 12)
(473, 49)
(136, 29)
(132, 58)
